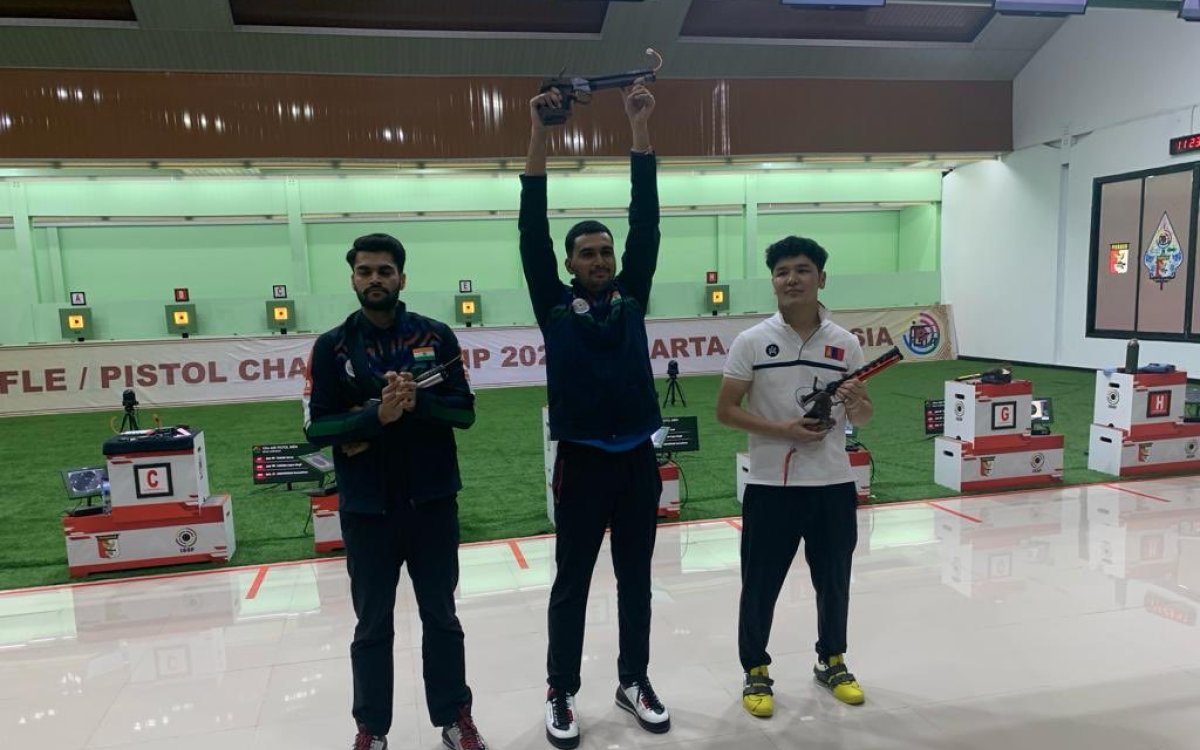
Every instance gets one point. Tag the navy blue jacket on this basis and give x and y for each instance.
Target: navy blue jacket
(413, 459)
(598, 375)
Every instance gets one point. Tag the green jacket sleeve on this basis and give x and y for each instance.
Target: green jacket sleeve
(330, 414)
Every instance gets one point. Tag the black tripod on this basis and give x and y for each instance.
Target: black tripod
(129, 421)
(673, 387)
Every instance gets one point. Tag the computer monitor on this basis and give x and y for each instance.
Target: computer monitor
(1043, 411)
(86, 481)
(935, 417)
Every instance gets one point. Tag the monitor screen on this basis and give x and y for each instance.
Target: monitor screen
(87, 481)
(1042, 7)
(318, 461)
(679, 435)
(1190, 10)
(1043, 410)
(935, 417)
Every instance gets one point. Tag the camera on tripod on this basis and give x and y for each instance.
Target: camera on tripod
(130, 403)
(673, 389)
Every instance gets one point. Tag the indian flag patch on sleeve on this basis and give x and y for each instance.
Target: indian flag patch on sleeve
(833, 352)
(424, 354)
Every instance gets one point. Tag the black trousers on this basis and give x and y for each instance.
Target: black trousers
(774, 520)
(425, 537)
(595, 489)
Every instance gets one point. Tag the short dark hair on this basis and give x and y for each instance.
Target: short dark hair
(377, 243)
(582, 228)
(790, 247)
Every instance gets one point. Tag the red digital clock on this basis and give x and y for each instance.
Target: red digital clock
(1185, 144)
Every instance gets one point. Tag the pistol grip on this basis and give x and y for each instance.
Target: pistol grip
(555, 115)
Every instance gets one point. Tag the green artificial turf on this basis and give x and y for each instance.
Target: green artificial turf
(501, 459)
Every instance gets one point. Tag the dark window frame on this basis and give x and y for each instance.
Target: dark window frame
(1191, 276)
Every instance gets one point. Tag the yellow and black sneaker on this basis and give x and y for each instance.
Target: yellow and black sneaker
(834, 675)
(757, 696)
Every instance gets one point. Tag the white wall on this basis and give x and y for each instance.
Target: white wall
(1016, 233)
(999, 230)
(1103, 68)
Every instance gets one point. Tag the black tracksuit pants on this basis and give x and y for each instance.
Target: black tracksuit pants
(774, 520)
(595, 489)
(425, 537)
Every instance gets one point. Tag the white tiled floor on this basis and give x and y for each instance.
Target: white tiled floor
(1064, 619)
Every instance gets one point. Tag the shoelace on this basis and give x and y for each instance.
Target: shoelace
(363, 741)
(562, 709)
(648, 698)
(468, 735)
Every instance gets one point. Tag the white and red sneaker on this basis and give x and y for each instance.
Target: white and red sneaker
(462, 734)
(638, 698)
(562, 730)
(364, 740)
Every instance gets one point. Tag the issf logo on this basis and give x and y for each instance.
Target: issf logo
(923, 336)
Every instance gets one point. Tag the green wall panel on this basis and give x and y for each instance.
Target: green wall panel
(848, 186)
(438, 253)
(146, 263)
(879, 257)
(919, 235)
(10, 276)
(689, 248)
(42, 263)
(321, 195)
(699, 190)
(857, 241)
(156, 197)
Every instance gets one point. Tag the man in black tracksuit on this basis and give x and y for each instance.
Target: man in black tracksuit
(386, 389)
(603, 410)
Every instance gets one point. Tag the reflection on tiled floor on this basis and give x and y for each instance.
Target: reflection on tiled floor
(1058, 620)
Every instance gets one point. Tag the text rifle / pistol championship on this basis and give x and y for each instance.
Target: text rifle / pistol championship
(581, 89)
(820, 402)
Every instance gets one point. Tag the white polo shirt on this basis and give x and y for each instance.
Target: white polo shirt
(781, 368)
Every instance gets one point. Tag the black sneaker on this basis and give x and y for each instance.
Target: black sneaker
(638, 698)
(462, 734)
(562, 730)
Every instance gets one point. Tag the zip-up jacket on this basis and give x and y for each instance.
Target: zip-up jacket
(599, 382)
(413, 459)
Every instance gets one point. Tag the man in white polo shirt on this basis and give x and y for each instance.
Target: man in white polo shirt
(800, 485)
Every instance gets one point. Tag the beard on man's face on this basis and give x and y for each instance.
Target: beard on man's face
(381, 302)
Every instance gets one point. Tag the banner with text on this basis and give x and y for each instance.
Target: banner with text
(92, 375)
